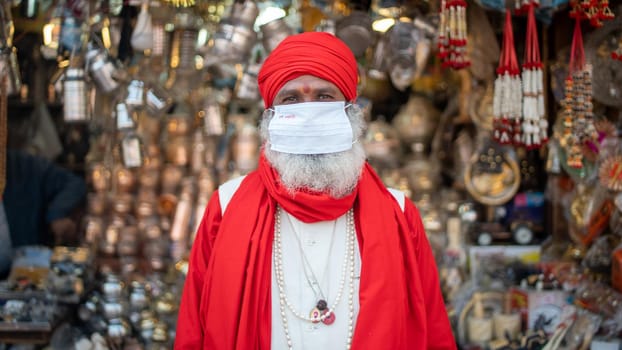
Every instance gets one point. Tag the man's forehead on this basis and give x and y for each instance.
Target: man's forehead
(308, 82)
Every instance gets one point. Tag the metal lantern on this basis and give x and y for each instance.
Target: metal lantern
(75, 107)
(102, 69)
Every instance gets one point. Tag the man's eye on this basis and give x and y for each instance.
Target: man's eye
(325, 97)
(289, 99)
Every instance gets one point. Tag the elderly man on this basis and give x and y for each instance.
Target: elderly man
(311, 250)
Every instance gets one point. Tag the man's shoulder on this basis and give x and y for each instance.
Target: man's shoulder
(227, 189)
(399, 196)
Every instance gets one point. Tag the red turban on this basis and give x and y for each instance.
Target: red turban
(313, 53)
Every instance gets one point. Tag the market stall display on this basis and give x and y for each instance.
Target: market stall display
(517, 175)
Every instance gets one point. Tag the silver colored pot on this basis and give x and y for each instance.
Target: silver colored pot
(103, 70)
(355, 30)
(274, 32)
(244, 13)
(232, 42)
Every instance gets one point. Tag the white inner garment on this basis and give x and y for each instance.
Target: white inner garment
(316, 241)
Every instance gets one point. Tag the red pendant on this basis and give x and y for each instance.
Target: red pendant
(315, 314)
(330, 319)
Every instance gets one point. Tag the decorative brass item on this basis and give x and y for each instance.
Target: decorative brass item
(492, 176)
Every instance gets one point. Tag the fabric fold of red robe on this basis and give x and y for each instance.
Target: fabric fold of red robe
(399, 307)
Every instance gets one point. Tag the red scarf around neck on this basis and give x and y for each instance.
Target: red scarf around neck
(236, 299)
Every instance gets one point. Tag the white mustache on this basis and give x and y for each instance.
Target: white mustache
(335, 173)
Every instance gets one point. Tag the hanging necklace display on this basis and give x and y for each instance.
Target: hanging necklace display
(535, 124)
(508, 93)
(452, 34)
(322, 312)
(578, 124)
(595, 11)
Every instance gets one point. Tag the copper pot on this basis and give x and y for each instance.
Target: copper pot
(128, 241)
(146, 208)
(153, 231)
(382, 144)
(178, 150)
(99, 176)
(122, 203)
(245, 148)
(149, 178)
(167, 203)
(171, 177)
(416, 121)
(125, 180)
(97, 203)
(94, 229)
(178, 125)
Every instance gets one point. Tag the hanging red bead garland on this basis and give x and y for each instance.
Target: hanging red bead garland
(507, 91)
(535, 124)
(452, 34)
(578, 125)
(595, 11)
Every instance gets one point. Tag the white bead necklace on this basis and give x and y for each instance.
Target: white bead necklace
(329, 313)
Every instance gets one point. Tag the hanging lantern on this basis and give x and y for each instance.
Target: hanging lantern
(75, 106)
(102, 69)
(131, 150)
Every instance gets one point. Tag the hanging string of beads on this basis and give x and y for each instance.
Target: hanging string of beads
(507, 96)
(535, 124)
(452, 37)
(595, 11)
(578, 125)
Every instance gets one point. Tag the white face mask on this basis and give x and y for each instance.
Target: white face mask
(310, 128)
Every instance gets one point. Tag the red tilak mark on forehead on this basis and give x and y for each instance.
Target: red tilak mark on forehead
(306, 89)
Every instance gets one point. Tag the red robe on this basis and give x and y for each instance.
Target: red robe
(226, 299)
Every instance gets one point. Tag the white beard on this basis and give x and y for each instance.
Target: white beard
(334, 173)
